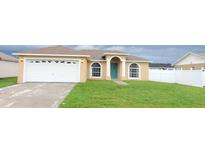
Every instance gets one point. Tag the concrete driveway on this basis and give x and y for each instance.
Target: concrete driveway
(34, 95)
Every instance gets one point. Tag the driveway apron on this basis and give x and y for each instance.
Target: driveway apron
(34, 95)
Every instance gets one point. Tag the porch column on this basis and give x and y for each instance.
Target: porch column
(108, 69)
(123, 69)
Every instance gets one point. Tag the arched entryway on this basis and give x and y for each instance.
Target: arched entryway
(115, 65)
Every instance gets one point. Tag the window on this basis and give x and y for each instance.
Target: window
(134, 71)
(96, 70)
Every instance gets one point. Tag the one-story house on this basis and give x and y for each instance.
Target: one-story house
(191, 61)
(8, 65)
(61, 64)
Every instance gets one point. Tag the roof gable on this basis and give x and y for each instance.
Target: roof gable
(191, 58)
(201, 54)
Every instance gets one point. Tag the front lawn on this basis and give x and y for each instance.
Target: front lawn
(4, 82)
(99, 94)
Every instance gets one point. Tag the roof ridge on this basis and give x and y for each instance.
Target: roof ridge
(45, 48)
(100, 50)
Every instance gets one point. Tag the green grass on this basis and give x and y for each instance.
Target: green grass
(100, 94)
(4, 82)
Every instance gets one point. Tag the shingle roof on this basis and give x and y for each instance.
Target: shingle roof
(202, 54)
(51, 50)
(4, 57)
(132, 57)
(94, 54)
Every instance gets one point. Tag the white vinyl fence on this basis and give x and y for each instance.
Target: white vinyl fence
(8, 69)
(186, 77)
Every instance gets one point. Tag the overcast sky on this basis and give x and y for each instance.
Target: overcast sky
(155, 53)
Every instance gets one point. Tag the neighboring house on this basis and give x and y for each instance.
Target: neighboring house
(161, 66)
(61, 64)
(8, 66)
(191, 61)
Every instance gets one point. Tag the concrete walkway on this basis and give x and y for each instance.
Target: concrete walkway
(34, 95)
(120, 82)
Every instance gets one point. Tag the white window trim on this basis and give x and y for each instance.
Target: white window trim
(91, 71)
(131, 78)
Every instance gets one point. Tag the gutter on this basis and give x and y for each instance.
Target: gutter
(138, 61)
(119, 54)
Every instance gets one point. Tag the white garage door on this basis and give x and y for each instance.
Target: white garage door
(48, 70)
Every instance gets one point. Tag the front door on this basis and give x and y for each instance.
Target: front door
(114, 71)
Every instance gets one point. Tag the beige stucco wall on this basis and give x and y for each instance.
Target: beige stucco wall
(8, 69)
(20, 69)
(144, 70)
(189, 66)
(83, 70)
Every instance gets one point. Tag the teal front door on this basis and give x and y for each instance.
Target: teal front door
(114, 70)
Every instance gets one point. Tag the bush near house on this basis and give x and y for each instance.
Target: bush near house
(142, 94)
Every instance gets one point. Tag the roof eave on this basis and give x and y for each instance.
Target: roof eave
(119, 54)
(196, 54)
(143, 61)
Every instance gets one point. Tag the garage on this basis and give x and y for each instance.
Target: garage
(51, 70)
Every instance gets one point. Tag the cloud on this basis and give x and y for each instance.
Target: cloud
(121, 48)
(158, 54)
(155, 53)
(80, 47)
